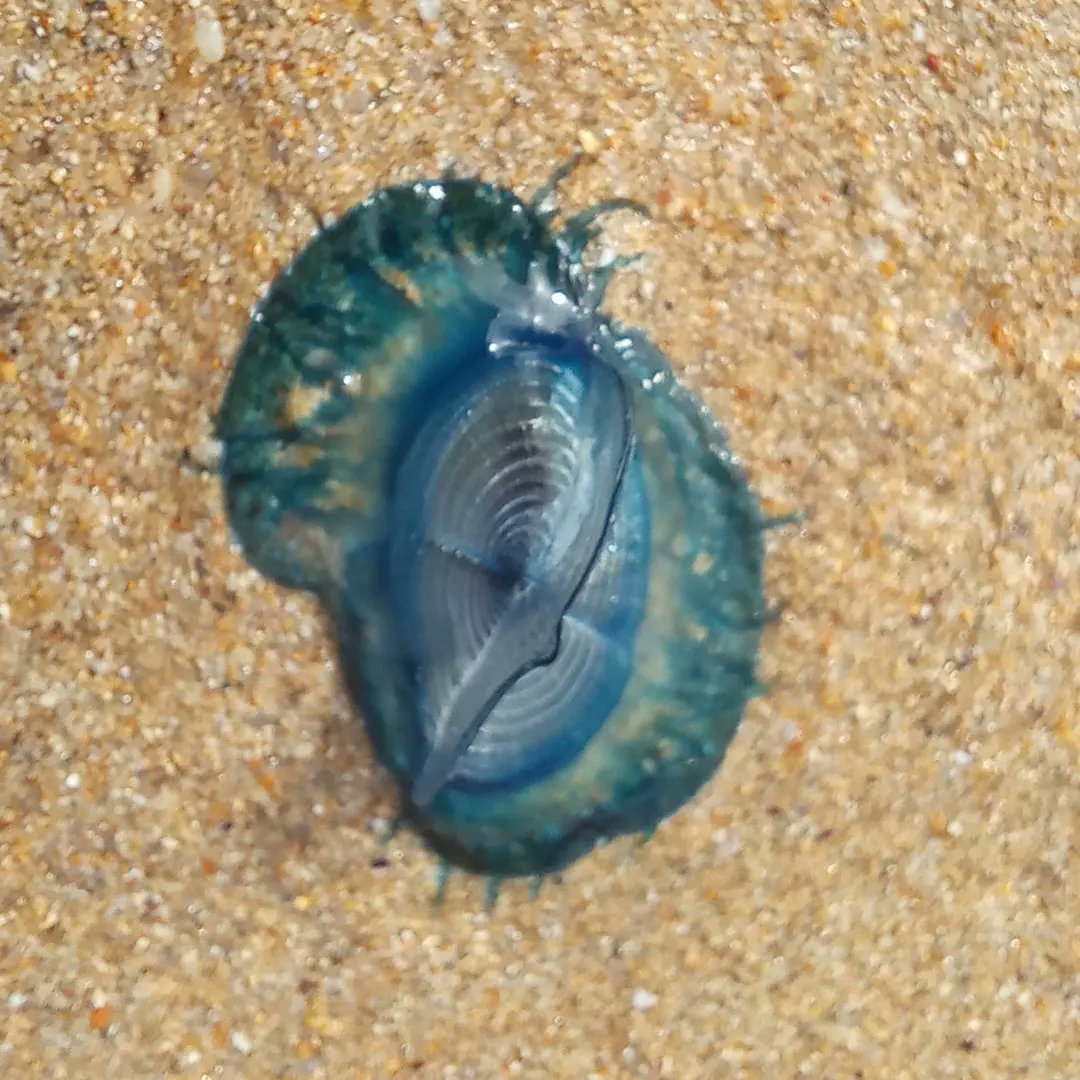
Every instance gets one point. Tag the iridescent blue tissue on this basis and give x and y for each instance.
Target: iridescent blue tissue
(543, 567)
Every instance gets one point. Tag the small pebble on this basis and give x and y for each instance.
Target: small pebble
(643, 1001)
(163, 186)
(209, 39)
(892, 204)
(241, 1043)
(588, 141)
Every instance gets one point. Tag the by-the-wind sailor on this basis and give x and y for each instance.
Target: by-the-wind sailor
(543, 566)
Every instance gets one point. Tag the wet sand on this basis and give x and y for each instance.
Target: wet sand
(863, 255)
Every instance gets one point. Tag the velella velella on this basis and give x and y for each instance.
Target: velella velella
(542, 564)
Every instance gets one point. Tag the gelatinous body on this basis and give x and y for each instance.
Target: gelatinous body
(543, 567)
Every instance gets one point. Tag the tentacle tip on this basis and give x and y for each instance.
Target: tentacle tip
(442, 879)
(601, 276)
(782, 521)
(759, 689)
(543, 202)
(320, 219)
(491, 892)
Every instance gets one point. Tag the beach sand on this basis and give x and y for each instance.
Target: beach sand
(863, 255)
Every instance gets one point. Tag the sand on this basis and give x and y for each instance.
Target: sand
(863, 255)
